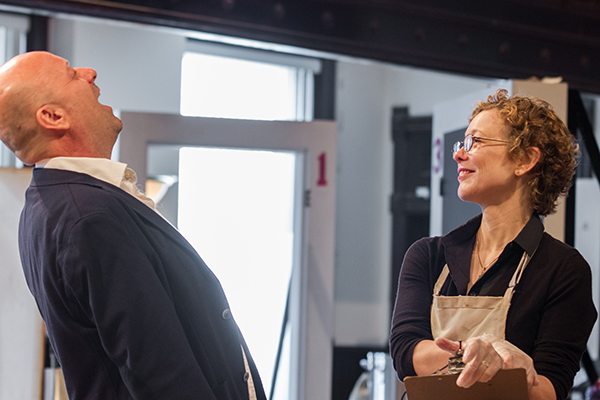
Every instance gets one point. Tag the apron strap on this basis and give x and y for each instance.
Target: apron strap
(440, 282)
(519, 272)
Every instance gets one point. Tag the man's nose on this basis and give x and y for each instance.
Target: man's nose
(86, 73)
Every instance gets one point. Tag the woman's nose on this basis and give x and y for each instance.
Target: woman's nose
(460, 155)
(87, 73)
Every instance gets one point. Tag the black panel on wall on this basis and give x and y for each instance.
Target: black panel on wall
(37, 37)
(412, 185)
(502, 38)
(324, 106)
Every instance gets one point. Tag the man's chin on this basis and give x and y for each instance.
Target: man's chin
(118, 123)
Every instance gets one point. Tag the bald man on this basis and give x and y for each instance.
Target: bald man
(131, 310)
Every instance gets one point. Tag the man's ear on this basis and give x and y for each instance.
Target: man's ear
(52, 117)
(531, 158)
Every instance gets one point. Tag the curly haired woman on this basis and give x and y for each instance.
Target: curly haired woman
(498, 287)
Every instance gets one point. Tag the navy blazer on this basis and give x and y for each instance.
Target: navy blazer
(131, 309)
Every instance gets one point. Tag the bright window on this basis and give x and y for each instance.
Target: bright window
(214, 86)
(225, 81)
(236, 208)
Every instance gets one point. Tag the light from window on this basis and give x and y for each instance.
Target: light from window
(236, 207)
(213, 86)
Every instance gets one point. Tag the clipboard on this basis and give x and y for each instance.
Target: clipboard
(506, 384)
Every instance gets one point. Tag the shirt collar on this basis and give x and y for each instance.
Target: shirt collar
(100, 168)
(530, 236)
(528, 239)
(458, 246)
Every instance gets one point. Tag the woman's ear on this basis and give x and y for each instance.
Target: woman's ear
(529, 161)
(52, 117)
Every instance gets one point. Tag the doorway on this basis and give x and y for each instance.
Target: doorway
(237, 208)
(311, 285)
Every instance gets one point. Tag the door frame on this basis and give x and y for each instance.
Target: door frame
(311, 377)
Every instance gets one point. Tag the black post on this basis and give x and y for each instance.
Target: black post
(579, 122)
(37, 36)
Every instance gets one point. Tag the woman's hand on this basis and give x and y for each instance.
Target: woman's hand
(514, 357)
(481, 360)
(485, 355)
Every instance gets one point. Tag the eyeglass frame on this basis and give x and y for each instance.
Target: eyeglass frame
(470, 141)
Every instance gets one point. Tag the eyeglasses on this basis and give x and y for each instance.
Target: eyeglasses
(470, 140)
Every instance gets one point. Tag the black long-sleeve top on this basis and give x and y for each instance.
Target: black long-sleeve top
(551, 313)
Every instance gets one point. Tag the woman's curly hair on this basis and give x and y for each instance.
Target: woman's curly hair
(533, 123)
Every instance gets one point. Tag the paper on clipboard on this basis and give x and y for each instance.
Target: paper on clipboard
(506, 384)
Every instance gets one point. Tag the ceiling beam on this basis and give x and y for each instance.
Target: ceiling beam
(499, 39)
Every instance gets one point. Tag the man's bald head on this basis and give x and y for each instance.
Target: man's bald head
(21, 93)
(49, 109)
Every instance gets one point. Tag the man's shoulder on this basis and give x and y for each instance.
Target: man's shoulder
(48, 179)
(67, 191)
(66, 196)
(43, 177)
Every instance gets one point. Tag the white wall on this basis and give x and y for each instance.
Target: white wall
(21, 329)
(139, 67)
(366, 94)
(363, 227)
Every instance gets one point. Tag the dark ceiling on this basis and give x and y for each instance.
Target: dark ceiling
(497, 38)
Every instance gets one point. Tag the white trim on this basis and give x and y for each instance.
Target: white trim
(251, 54)
(17, 22)
(13, 39)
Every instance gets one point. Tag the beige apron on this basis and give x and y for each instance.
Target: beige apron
(462, 317)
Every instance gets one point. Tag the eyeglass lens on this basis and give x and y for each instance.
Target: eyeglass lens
(467, 144)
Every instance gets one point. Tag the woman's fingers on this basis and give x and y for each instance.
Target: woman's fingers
(447, 345)
(481, 362)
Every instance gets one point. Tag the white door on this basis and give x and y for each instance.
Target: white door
(21, 328)
(304, 153)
